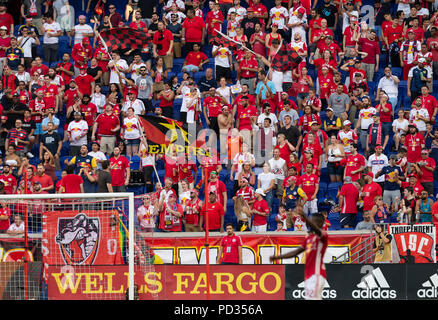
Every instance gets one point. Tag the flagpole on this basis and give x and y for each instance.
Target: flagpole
(238, 43)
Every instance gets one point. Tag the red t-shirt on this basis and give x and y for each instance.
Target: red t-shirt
(193, 29)
(213, 106)
(413, 145)
(44, 180)
(215, 211)
(385, 116)
(190, 216)
(4, 224)
(211, 26)
(248, 63)
(351, 195)
(175, 222)
(230, 246)
(165, 41)
(370, 190)
(260, 206)
(84, 83)
(353, 163)
(118, 170)
(348, 33)
(72, 183)
(430, 103)
(393, 33)
(219, 188)
(427, 176)
(195, 58)
(9, 181)
(105, 123)
(169, 171)
(50, 94)
(308, 183)
(325, 83)
(70, 95)
(370, 47)
(89, 111)
(245, 114)
(42, 70)
(185, 171)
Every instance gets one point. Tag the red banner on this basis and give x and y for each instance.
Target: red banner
(81, 238)
(256, 248)
(167, 282)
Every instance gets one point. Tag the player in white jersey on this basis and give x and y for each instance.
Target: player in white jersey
(313, 247)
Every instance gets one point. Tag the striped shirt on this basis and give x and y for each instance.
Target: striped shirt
(17, 134)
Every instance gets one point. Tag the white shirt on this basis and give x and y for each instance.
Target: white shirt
(421, 125)
(377, 163)
(147, 159)
(136, 104)
(240, 12)
(277, 168)
(80, 30)
(389, 86)
(131, 128)
(299, 29)
(221, 59)
(265, 179)
(99, 100)
(366, 116)
(99, 155)
(148, 215)
(26, 45)
(186, 97)
(279, 16)
(14, 227)
(76, 129)
(25, 77)
(181, 16)
(135, 73)
(54, 27)
(400, 126)
(271, 116)
(239, 159)
(346, 19)
(114, 77)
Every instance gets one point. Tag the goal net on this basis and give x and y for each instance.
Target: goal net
(76, 246)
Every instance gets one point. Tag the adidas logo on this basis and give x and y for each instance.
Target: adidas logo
(374, 286)
(327, 293)
(430, 288)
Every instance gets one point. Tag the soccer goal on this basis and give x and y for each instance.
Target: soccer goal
(73, 246)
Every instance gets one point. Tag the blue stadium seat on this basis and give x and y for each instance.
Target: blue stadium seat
(332, 190)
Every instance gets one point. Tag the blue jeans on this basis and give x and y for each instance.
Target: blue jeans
(269, 199)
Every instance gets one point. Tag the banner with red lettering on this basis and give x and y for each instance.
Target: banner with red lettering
(257, 248)
(415, 243)
(81, 238)
(167, 282)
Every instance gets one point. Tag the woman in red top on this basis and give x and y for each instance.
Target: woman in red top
(271, 36)
(285, 147)
(303, 84)
(166, 98)
(385, 110)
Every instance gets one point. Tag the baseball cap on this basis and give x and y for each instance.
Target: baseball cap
(77, 113)
(4, 118)
(393, 157)
(260, 191)
(301, 10)
(370, 174)
(378, 146)
(4, 28)
(329, 109)
(348, 180)
(194, 191)
(347, 123)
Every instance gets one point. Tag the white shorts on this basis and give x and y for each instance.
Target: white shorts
(261, 228)
(311, 207)
(277, 79)
(313, 287)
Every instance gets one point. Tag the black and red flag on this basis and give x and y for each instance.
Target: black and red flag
(223, 41)
(160, 132)
(125, 38)
(286, 59)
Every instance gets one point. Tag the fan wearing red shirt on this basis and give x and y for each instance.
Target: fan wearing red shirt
(42, 178)
(214, 20)
(102, 56)
(414, 143)
(230, 248)
(71, 183)
(50, 93)
(425, 168)
(325, 82)
(392, 33)
(216, 214)
(120, 171)
(89, 110)
(9, 181)
(212, 107)
(348, 197)
(217, 186)
(106, 125)
(65, 68)
(38, 107)
(5, 215)
(309, 182)
(162, 45)
(260, 212)
(414, 183)
(354, 163)
(370, 190)
(195, 60)
(85, 82)
(246, 117)
(320, 34)
(313, 145)
(39, 67)
(248, 67)
(193, 29)
(429, 102)
(82, 52)
(191, 212)
(351, 34)
(260, 11)
(171, 214)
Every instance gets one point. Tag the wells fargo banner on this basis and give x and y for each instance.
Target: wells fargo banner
(414, 243)
(81, 238)
(256, 248)
(167, 282)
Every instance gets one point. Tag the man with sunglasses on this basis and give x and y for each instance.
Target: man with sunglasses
(114, 16)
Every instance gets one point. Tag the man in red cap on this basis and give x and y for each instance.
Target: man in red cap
(84, 81)
(102, 56)
(414, 143)
(171, 214)
(192, 211)
(81, 53)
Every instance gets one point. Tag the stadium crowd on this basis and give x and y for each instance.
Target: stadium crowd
(349, 131)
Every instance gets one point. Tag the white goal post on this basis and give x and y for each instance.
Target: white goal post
(129, 196)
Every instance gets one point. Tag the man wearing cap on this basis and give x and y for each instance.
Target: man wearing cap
(260, 212)
(348, 198)
(414, 143)
(192, 210)
(81, 54)
(332, 124)
(376, 162)
(133, 102)
(413, 182)
(216, 214)
(293, 195)
(408, 51)
(392, 174)
(171, 214)
(418, 76)
(424, 169)
(247, 71)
